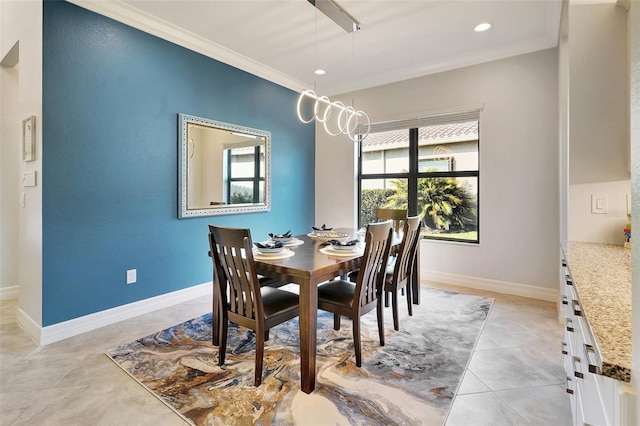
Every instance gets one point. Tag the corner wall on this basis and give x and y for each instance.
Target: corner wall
(599, 161)
(634, 108)
(111, 98)
(21, 21)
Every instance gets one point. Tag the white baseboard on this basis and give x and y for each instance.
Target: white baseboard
(7, 293)
(541, 293)
(29, 326)
(63, 330)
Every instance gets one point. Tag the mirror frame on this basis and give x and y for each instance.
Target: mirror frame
(183, 212)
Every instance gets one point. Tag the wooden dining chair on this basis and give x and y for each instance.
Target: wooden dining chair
(396, 215)
(240, 298)
(400, 276)
(353, 300)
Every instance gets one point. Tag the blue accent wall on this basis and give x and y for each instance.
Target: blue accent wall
(111, 98)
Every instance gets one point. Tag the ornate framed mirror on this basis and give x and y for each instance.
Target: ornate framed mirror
(224, 168)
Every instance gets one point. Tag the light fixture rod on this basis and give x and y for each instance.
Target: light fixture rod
(337, 14)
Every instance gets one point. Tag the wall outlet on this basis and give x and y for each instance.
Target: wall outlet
(131, 276)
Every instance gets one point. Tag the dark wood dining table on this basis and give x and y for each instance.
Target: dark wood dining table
(308, 268)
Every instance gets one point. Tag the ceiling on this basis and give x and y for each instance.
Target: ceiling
(286, 40)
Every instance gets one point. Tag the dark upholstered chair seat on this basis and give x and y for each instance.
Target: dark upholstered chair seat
(337, 292)
(354, 300)
(241, 297)
(283, 303)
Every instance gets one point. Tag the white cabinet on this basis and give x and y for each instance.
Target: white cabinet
(595, 399)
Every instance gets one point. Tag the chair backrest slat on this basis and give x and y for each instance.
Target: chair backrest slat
(376, 254)
(397, 215)
(408, 248)
(239, 288)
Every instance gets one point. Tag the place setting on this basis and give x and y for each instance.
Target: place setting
(326, 234)
(286, 238)
(343, 248)
(271, 250)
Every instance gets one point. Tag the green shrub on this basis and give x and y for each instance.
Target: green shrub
(372, 199)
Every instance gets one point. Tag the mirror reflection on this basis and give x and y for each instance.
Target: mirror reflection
(224, 168)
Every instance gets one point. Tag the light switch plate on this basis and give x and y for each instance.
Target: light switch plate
(599, 204)
(29, 178)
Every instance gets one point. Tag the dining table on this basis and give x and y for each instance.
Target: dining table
(308, 268)
(309, 264)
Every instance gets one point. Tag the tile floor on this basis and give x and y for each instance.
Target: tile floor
(515, 376)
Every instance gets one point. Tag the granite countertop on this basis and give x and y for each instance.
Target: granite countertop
(602, 277)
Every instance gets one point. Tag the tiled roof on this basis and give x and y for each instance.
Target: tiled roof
(428, 135)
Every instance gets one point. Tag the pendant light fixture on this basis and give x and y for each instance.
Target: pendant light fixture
(346, 119)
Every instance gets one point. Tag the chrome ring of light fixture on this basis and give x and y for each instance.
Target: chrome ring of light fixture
(348, 119)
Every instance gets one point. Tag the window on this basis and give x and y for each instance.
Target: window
(245, 176)
(428, 166)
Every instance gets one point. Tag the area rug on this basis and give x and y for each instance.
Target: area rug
(411, 380)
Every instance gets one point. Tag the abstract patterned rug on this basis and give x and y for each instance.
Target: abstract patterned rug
(411, 380)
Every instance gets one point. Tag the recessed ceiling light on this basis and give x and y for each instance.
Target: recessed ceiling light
(482, 27)
(319, 72)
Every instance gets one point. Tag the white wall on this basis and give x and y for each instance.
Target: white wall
(563, 122)
(599, 93)
(599, 227)
(22, 21)
(519, 204)
(634, 107)
(9, 157)
(599, 121)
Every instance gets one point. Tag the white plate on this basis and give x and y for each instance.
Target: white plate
(345, 249)
(286, 253)
(327, 238)
(269, 251)
(284, 240)
(294, 242)
(341, 253)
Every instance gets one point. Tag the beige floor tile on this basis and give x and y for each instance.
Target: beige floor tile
(482, 409)
(471, 384)
(73, 382)
(545, 405)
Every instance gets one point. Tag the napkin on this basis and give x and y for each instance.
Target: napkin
(285, 235)
(323, 228)
(346, 244)
(277, 244)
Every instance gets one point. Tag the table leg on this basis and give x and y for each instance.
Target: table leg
(308, 329)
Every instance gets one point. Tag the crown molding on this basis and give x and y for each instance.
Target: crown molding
(128, 15)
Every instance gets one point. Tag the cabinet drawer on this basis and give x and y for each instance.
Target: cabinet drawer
(570, 303)
(589, 401)
(586, 345)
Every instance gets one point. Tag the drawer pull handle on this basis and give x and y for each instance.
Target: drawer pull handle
(577, 310)
(577, 373)
(565, 301)
(564, 348)
(567, 381)
(569, 324)
(588, 350)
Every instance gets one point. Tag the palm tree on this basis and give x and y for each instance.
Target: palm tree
(443, 202)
